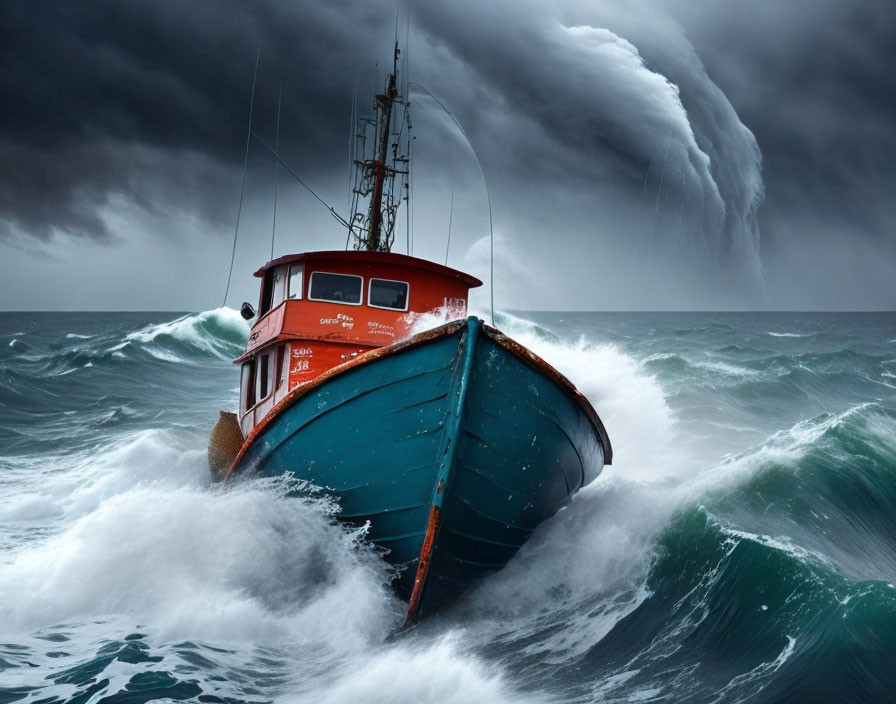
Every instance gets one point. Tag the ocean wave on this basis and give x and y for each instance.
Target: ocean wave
(251, 563)
(713, 327)
(423, 672)
(154, 569)
(79, 481)
(681, 373)
(783, 446)
(216, 334)
(515, 325)
(826, 484)
(667, 362)
(220, 333)
(31, 507)
(781, 543)
(721, 593)
(742, 544)
(728, 369)
(791, 334)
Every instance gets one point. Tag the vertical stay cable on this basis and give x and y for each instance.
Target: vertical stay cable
(407, 63)
(397, 17)
(451, 207)
(491, 257)
(357, 146)
(276, 169)
(408, 193)
(239, 209)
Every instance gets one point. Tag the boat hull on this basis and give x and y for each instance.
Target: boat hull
(452, 447)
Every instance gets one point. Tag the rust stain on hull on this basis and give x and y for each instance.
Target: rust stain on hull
(432, 528)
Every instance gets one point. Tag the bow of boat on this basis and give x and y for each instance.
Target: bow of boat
(451, 446)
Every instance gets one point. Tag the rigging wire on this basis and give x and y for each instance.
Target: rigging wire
(491, 254)
(491, 231)
(352, 126)
(359, 146)
(407, 63)
(410, 199)
(341, 220)
(451, 208)
(407, 220)
(239, 210)
(397, 16)
(276, 170)
(403, 188)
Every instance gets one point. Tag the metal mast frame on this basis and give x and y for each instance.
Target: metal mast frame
(376, 173)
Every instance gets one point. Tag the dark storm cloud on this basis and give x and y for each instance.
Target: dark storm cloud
(630, 128)
(624, 129)
(814, 81)
(89, 83)
(108, 99)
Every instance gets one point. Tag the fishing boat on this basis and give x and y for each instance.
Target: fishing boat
(450, 444)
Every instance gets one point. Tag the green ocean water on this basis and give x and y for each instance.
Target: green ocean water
(741, 548)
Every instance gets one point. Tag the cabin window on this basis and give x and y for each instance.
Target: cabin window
(295, 281)
(281, 363)
(247, 386)
(388, 294)
(264, 375)
(336, 288)
(273, 289)
(267, 291)
(279, 286)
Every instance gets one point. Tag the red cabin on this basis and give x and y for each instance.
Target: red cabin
(320, 309)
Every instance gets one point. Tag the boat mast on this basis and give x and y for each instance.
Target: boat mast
(378, 171)
(385, 101)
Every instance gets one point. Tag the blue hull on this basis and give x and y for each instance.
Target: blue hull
(454, 446)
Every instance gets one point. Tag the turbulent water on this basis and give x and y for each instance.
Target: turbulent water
(741, 548)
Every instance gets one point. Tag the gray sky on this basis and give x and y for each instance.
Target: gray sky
(646, 154)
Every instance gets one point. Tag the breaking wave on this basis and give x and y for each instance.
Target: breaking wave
(220, 333)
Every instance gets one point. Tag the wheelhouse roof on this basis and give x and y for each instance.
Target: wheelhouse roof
(365, 257)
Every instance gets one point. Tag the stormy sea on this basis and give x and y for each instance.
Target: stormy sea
(742, 547)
